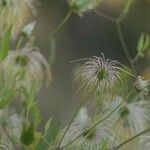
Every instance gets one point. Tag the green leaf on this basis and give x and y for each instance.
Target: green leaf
(50, 136)
(47, 125)
(28, 133)
(6, 100)
(104, 145)
(143, 44)
(146, 43)
(36, 115)
(5, 43)
(127, 6)
(140, 42)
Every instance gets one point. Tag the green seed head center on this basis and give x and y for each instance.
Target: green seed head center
(124, 112)
(89, 134)
(101, 74)
(21, 60)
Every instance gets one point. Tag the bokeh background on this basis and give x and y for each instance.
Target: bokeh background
(84, 37)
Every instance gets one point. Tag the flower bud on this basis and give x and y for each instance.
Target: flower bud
(141, 86)
(81, 6)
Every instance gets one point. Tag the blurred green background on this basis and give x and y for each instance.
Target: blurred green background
(84, 37)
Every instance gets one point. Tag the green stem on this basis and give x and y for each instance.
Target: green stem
(74, 115)
(27, 114)
(125, 11)
(97, 123)
(122, 41)
(61, 23)
(119, 31)
(45, 141)
(123, 70)
(105, 16)
(135, 59)
(100, 101)
(20, 42)
(131, 139)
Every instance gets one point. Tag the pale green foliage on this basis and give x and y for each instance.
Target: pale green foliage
(4, 45)
(15, 13)
(127, 6)
(47, 126)
(143, 44)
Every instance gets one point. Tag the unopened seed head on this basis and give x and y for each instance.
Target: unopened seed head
(15, 13)
(141, 86)
(81, 6)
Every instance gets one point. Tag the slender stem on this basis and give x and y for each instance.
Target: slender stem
(20, 42)
(100, 101)
(125, 10)
(16, 148)
(135, 59)
(127, 72)
(27, 114)
(75, 114)
(131, 139)
(45, 141)
(120, 34)
(97, 123)
(30, 42)
(61, 23)
(124, 46)
(105, 16)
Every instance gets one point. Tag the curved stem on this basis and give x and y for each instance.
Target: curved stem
(98, 122)
(61, 23)
(120, 34)
(123, 70)
(45, 141)
(135, 59)
(105, 16)
(122, 41)
(20, 42)
(75, 114)
(131, 139)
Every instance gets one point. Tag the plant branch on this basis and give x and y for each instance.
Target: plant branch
(119, 31)
(97, 123)
(20, 42)
(131, 139)
(135, 59)
(75, 114)
(105, 16)
(66, 18)
(124, 46)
